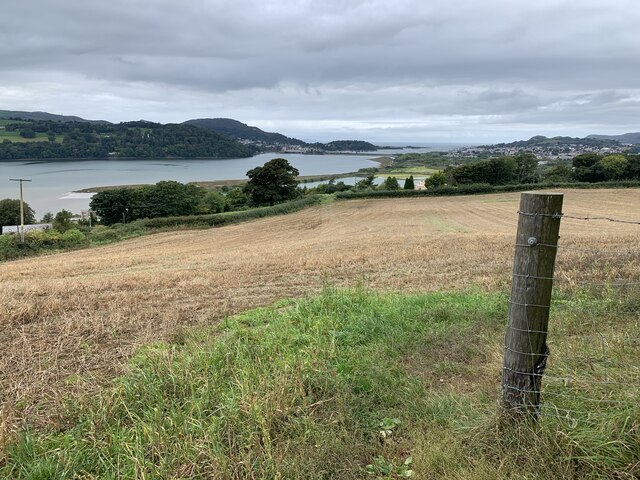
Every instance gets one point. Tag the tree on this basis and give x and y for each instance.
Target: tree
(587, 168)
(27, 133)
(365, 183)
(47, 218)
(409, 184)
(10, 212)
(559, 173)
(164, 199)
(614, 166)
(62, 221)
(212, 202)
(390, 183)
(236, 199)
(272, 183)
(633, 167)
(527, 167)
(167, 198)
(110, 205)
(495, 171)
(437, 179)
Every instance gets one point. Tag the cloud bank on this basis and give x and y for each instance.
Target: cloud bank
(409, 70)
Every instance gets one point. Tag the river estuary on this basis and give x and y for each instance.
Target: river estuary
(53, 182)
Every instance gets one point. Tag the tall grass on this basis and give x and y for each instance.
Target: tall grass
(351, 384)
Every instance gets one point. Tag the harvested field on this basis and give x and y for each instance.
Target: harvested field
(70, 321)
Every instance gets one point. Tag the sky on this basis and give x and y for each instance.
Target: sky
(394, 71)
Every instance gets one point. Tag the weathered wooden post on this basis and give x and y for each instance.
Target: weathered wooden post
(525, 347)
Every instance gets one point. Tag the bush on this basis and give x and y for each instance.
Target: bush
(73, 238)
(218, 219)
(39, 239)
(8, 247)
(103, 234)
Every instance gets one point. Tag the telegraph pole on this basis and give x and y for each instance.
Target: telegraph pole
(21, 206)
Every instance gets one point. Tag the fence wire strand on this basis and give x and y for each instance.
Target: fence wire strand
(583, 366)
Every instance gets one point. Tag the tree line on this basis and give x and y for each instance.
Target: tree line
(127, 139)
(524, 168)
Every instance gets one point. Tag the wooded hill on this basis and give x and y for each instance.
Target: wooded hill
(541, 141)
(129, 139)
(242, 131)
(633, 138)
(43, 116)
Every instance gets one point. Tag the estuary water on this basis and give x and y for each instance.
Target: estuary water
(53, 183)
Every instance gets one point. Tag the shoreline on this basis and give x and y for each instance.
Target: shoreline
(382, 161)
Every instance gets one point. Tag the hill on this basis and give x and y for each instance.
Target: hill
(542, 141)
(254, 135)
(242, 131)
(43, 116)
(633, 138)
(129, 139)
(350, 145)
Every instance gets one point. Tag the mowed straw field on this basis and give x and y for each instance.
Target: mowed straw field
(70, 321)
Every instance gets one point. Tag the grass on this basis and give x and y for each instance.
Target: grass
(15, 137)
(350, 384)
(411, 170)
(71, 322)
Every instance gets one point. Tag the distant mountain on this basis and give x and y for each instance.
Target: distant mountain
(44, 116)
(242, 131)
(633, 138)
(542, 141)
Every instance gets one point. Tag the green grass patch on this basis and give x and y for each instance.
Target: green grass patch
(15, 137)
(412, 170)
(351, 384)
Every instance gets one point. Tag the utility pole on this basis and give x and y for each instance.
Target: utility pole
(21, 205)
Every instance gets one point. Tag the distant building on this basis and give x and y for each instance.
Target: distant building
(16, 228)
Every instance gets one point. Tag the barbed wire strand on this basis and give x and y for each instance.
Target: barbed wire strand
(548, 408)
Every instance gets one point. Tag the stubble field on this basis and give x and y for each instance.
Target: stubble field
(70, 321)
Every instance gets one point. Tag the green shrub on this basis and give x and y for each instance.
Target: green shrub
(73, 238)
(8, 247)
(38, 239)
(219, 219)
(103, 234)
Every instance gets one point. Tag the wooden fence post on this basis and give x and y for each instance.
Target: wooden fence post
(525, 347)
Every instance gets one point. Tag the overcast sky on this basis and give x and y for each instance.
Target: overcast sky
(393, 70)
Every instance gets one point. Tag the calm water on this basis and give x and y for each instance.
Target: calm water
(53, 182)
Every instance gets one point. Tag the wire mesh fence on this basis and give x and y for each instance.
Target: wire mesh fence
(588, 371)
(594, 371)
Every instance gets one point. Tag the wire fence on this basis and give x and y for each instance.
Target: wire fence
(589, 370)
